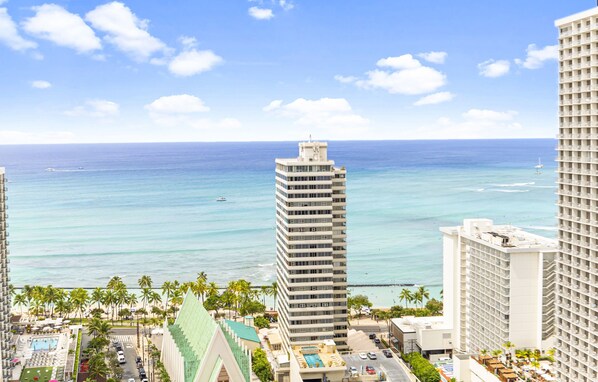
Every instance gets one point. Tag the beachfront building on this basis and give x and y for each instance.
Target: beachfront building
(311, 248)
(429, 336)
(198, 349)
(499, 284)
(5, 354)
(577, 266)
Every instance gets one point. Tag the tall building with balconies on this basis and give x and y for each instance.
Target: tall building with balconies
(577, 266)
(498, 286)
(5, 355)
(311, 248)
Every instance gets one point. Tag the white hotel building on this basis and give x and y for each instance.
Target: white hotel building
(498, 286)
(311, 248)
(5, 355)
(577, 265)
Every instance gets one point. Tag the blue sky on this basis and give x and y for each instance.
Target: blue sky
(197, 70)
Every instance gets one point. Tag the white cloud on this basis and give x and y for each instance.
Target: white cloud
(400, 75)
(434, 57)
(54, 23)
(177, 104)
(492, 68)
(286, 5)
(182, 110)
(260, 13)
(473, 124)
(536, 57)
(435, 98)
(486, 115)
(95, 108)
(40, 84)
(125, 31)
(345, 79)
(193, 61)
(273, 105)
(323, 112)
(188, 42)
(16, 137)
(9, 34)
(405, 61)
(409, 81)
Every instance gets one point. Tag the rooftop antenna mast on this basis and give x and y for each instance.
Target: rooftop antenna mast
(310, 134)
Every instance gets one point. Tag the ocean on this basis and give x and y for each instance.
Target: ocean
(134, 209)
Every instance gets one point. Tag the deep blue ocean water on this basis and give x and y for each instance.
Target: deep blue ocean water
(133, 209)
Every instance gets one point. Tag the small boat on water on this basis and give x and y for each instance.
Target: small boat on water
(221, 199)
(539, 165)
(50, 169)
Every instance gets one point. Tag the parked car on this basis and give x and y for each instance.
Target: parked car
(353, 371)
(387, 353)
(142, 374)
(131, 380)
(144, 380)
(121, 358)
(372, 355)
(376, 341)
(370, 370)
(363, 356)
(138, 359)
(372, 336)
(139, 365)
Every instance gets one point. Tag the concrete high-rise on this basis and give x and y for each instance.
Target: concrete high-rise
(311, 248)
(577, 266)
(498, 286)
(5, 335)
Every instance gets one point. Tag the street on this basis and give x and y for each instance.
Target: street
(390, 366)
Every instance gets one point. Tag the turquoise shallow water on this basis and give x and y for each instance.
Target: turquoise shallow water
(133, 209)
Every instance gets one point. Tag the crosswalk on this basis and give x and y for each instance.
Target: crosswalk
(123, 339)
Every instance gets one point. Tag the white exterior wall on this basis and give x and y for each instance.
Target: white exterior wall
(525, 324)
(577, 266)
(495, 293)
(434, 339)
(172, 358)
(311, 248)
(5, 335)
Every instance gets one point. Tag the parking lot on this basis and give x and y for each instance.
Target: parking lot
(390, 366)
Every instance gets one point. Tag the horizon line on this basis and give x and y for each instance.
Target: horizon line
(278, 141)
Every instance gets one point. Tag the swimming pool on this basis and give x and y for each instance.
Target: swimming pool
(46, 344)
(313, 360)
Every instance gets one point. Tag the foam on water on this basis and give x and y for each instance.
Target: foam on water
(138, 209)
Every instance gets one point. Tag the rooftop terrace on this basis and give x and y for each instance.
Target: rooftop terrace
(318, 356)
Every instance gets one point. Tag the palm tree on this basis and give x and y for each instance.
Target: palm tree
(114, 282)
(496, 353)
(201, 285)
(109, 300)
(19, 300)
(154, 298)
(145, 281)
(97, 297)
(424, 293)
(98, 370)
(145, 296)
(484, 351)
(274, 292)
(79, 298)
(64, 307)
(265, 291)
(417, 297)
(167, 289)
(406, 296)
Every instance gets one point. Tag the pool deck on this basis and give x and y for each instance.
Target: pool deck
(54, 356)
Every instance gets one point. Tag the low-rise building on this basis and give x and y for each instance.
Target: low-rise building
(198, 349)
(429, 336)
(246, 333)
(317, 363)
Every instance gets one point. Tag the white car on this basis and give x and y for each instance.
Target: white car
(363, 356)
(353, 371)
(131, 380)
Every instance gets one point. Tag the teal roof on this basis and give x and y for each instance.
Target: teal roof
(243, 331)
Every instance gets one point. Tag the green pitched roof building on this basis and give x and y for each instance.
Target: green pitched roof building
(198, 349)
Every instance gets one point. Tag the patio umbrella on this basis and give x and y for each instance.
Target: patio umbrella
(47, 329)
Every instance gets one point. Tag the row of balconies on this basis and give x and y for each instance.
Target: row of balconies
(577, 182)
(578, 77)
(580, 65)
(580, 112)
(582, 29)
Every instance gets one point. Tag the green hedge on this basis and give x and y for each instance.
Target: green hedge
(422, 368)
(77, 353)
